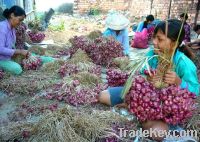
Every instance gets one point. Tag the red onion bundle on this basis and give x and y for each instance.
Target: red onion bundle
(143, 101)
(172, 104)
(36, 37)
(75, 94)
(69, 69)
(80, 42)
(20, 36)
(32, 63)
(177, 104)
(1, 74)
(105, 51)
(97, 70)
(102, 50)
(116, 77)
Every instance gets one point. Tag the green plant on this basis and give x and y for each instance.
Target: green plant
(94, 11)
(59, 27)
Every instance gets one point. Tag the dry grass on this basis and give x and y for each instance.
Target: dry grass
(67, 125)
(29, 83)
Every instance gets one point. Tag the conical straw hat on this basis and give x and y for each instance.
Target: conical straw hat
(116, 21)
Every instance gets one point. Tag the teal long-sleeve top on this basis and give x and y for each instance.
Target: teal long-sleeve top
(140, 27)
(122, 37)
(184, 68)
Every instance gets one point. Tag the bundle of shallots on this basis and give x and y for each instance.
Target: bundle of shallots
(68, 69)
(36, 37)
(74, 93)
(31, 63)
(105, 51)
(116, 77)
(101, 50)
(171, 104)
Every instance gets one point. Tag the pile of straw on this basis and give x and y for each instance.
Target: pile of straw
(194, 122)
(37, 50)
(87, 79)
(53, 67)
(80, 56)
(29, 82)
(53, 49)
(94, 34)
(14, 131)
(122, 63)
(69, 126)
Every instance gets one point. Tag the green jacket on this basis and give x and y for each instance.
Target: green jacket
(184, 68)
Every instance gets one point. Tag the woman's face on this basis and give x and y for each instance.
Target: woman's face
(16, 20)
(149, 22)
(161, 42)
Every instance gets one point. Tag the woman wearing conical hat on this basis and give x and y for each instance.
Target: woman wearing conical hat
(117, 28)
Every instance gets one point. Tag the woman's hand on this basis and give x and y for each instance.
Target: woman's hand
(22, 52)
(172, 78)
(153, 78)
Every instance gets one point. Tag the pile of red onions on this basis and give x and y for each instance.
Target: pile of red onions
(172, 104)
(105, 51)
(36, 37)
(75, 94)
(116, 77)
(67, 70)
(97, 70)
(101, 50)
(31, 63)
(177, 104)
(80, 42)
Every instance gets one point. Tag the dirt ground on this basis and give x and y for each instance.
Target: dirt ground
(73, 26)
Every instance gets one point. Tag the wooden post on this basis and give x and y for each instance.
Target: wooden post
(169, 10)
(197, 13)
(151, 6)
(75, 8)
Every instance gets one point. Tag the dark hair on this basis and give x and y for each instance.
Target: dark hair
(16, 10)
(174, 27)
(148, 18)
(184, 14)
(196, 28)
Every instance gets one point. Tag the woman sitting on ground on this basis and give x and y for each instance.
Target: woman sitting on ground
(145, 24)
(14, 16)
(184, 74)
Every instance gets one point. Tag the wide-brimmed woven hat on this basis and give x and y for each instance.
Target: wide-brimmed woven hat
(116, 21)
